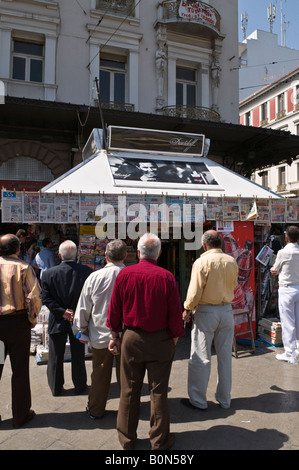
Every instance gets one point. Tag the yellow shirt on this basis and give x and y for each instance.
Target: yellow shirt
(213, 279)
(19, 288)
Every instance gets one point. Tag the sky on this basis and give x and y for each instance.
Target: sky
(258, 19)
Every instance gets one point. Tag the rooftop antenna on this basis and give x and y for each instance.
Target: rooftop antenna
(244, 22)
(283, 24)
(271, 10)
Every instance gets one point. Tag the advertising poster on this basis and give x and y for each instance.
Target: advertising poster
(240, 245)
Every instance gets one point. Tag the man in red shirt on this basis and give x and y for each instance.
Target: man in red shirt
(145, 306)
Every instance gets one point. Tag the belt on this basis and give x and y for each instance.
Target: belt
(138, 330)
(16, 312)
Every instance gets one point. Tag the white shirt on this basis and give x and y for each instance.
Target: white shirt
(287, 265)
(91, 312)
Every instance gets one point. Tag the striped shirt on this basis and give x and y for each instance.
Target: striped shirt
(19, 288)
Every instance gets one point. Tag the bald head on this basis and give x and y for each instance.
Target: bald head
(9, 245)
(211, 239)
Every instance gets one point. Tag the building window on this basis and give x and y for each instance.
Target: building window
(27, 61)
(281, 175)
(280, 103)
(264, 114)
(25, 169)
(247, 117)
(185, 87)
(113, 80)
(265, 179)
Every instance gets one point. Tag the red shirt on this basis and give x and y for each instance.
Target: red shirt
(146, 296)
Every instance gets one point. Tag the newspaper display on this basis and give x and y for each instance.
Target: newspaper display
(73, 208)
(292, 212)
(278, 210)
(263, 211)
(214, 208)
(34, 207)
(231, 209)
(12, 206)
(31, 207)
(47, 208)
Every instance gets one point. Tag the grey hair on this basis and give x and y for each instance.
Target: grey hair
(213, 240)
(68, 250)
(116, 250)
(149, 246)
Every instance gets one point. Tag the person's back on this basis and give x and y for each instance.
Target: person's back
(286, 267)
(19, 307)
(45, 259)
(61, 288)
(145, 306)
(287, 262)
(71, 279)
(210, 293)
(147, 292)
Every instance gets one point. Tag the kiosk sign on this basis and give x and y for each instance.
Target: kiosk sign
(155, 141)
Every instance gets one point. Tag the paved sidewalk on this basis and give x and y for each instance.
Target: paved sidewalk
(264, 412)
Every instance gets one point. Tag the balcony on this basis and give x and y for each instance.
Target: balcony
(191, 112)
(281, 188)
(116, 106)
(294, 187)
(121, 7)
(191, 17)
(281, 114)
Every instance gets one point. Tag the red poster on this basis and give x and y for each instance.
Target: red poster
(240, 245)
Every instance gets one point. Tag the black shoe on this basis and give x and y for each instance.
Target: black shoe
(186, 402)
(28, 418)
(92, 416)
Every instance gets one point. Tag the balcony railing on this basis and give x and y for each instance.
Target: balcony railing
(281, 114)
(191, 10)
(123, 7)
(191, 112)
(116, 106)
(281, 188)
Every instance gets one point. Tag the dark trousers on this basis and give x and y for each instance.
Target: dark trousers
(55, 374)
(15, 333)
(141, 352)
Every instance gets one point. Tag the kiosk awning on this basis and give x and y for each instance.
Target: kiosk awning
(175, 170)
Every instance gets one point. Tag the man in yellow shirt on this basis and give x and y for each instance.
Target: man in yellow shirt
(211, 290)
(20, 303)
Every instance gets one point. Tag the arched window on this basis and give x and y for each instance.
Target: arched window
(25, 169)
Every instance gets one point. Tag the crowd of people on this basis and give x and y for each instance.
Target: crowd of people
(134, 316)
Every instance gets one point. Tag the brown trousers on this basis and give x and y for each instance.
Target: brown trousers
(141, 352)
(102, 363)
(15, 333)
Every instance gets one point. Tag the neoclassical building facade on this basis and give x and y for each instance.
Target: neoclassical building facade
(64, 65)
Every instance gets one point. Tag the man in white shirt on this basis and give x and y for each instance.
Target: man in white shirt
(90, 319)
(287, 268)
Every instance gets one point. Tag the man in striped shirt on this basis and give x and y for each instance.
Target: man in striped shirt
(20, 303)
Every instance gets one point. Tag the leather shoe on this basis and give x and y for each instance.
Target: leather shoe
(186, 402)
(28, 418)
